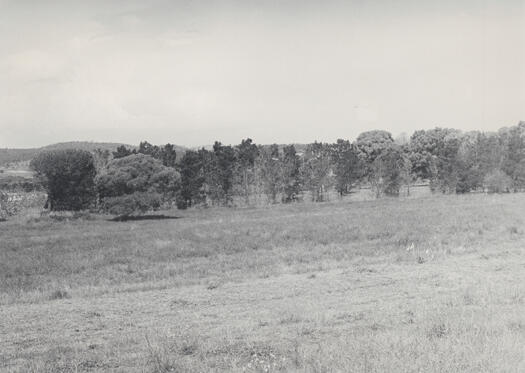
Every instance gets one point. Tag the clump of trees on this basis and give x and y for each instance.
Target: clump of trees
(456, 162)
(136, 180)
(123, 185)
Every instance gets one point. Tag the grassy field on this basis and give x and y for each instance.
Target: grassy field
(435, 284)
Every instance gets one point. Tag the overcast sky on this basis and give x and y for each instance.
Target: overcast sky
(191, 72)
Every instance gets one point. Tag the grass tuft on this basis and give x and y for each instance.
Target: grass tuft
(59, 294)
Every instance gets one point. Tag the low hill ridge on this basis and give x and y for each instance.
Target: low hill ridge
(21, 155)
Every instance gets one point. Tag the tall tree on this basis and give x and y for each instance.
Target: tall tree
(209, 172)
(513, 141)
(436, 156)
(316, 170)
(446, 164)
(370, 145)
(68, 177)
(390, 171)
(192, 179)
(269, 164)
(472, 164)
(347, 165)
(291, 174)
(246, 153)
(168, 155)
(221, 173)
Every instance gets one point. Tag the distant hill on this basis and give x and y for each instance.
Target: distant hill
(9, 156)
(20, 158)
(15, 156)
(23, 156)
(86, 145)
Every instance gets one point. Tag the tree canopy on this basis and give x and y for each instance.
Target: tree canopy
(68, 177)
(136, 184)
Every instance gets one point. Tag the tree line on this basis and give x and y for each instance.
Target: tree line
(139, 179)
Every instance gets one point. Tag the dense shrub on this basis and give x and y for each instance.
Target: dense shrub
(135, 184)
(68, 177)
(7, 207)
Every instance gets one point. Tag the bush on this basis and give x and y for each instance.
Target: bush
(68, 177)
(7, 206)
(497, 181)
(136, 184)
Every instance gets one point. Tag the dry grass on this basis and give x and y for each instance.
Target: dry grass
(411, 285)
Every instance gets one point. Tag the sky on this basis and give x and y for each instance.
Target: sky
(277, 71)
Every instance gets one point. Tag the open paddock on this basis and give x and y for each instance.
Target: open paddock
(433, 284)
